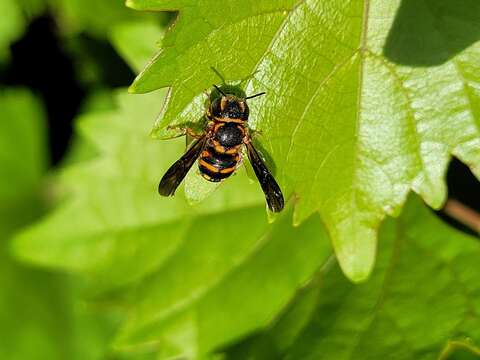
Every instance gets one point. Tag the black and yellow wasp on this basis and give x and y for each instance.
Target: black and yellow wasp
(218, 149)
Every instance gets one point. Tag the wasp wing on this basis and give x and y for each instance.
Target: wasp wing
(176, 173)
(272, 191)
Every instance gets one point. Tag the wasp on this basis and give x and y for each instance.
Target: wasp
(218, 149)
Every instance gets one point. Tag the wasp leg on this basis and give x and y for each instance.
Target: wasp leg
(185, 131)
(248, 77)
(193, 134)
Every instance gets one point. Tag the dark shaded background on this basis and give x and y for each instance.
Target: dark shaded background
(55, 78)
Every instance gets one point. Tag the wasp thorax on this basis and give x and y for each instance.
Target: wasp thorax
(230, 106)
(229, 135)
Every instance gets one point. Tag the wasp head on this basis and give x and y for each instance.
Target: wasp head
(229, 106)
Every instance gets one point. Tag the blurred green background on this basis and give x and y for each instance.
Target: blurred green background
(58, 60)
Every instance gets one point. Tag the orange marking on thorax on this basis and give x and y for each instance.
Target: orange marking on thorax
(227, 120)
(217, 126)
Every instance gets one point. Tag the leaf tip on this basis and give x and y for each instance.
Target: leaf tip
(357, 274)
(130, 4)
(197, 189)
(140, 86)
(154, 134)
(355, 246)
(357, 265)
(132, 89)
(271, 216)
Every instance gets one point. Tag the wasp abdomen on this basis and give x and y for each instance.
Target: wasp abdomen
(220, 157)
(216, 166)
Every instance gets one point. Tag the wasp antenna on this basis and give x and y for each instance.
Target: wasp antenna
(254, 96)
(218, 74)
(248, 77)
(219, 90)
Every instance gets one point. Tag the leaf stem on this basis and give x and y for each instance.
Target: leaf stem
(462, 213)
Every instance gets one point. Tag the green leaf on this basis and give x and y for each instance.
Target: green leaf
(11, 26)
(23, 154)
(32, 8)
(131, 242)
(38, 317)
(94, 17)
(207, 304)
(197, 189)
(421, 302)
(136, 41)
(366, 99)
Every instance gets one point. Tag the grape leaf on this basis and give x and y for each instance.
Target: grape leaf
(365, 99)
(421, 302)
(172, 264)
(11, 27)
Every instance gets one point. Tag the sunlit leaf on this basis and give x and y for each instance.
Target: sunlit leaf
(366, 99)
